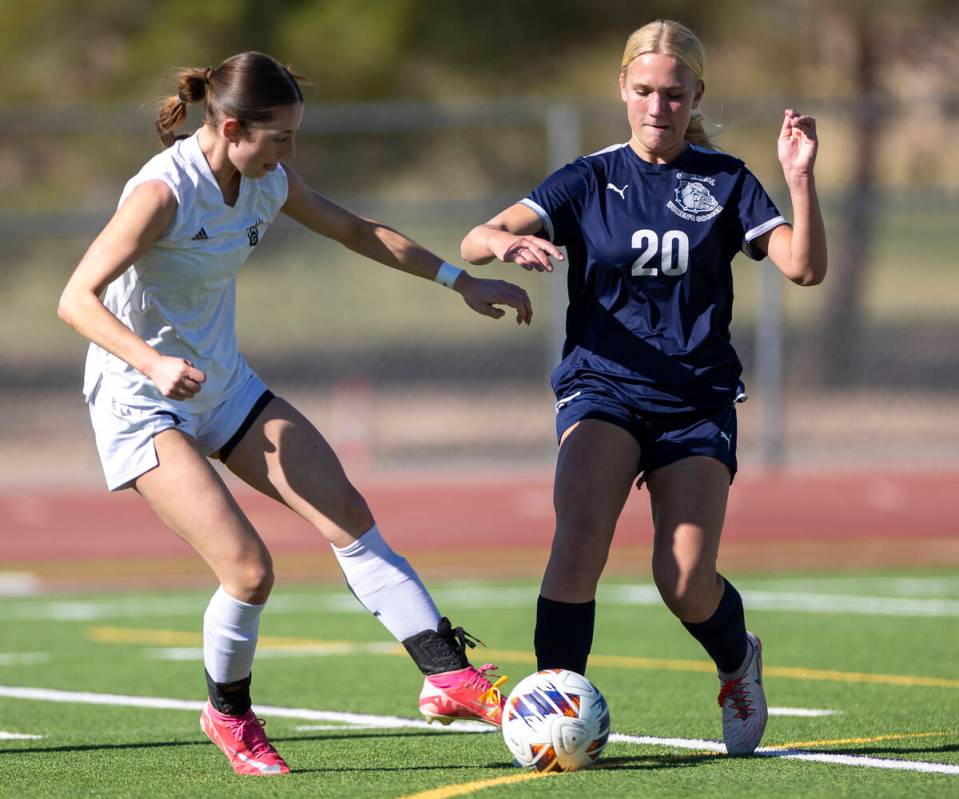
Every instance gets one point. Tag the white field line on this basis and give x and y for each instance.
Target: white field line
(157, 703)
(770, 596)
(394, 722)
(943, 586)
(802, 712)
(18, 584)
(795, 754)
(18, 736)
(195, 654)
(19, 658)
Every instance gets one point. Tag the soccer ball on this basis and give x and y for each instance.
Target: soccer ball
(555, 720)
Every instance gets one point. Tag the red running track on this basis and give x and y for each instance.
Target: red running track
(443, 513)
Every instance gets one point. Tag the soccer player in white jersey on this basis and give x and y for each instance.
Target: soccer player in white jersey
(167, 387)
(649, 381)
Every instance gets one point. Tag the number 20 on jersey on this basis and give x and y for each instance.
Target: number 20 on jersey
(673, 252)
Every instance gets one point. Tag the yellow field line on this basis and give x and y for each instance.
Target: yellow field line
(845, 741)
(470, 787)
(172, 638)
(126, 635)
(856, 676)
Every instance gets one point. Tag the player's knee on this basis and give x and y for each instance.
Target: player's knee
(665, 572)
(251, 580)
(685, 594)
(579, 559)
(582, 532)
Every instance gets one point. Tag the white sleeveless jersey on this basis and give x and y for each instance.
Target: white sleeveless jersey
(180, 297)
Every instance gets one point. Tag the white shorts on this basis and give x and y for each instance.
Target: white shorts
(125, 426)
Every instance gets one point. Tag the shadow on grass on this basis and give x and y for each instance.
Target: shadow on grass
(866, 751)
(674, 760)
(637, 762)
(649, 762)
(43, 750)
(351, 735)
(433, 767)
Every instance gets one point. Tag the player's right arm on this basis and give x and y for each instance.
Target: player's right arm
(508, 237)
(132, 231)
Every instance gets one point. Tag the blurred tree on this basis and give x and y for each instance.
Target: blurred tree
(63, 51)
(881, 42)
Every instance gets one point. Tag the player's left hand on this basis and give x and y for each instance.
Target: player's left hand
(797, 144)
(483, 295)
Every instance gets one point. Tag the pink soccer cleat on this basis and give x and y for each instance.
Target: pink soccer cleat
(463, 694)
(243, 741)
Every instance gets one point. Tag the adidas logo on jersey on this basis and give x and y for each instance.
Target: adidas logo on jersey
(199, 235)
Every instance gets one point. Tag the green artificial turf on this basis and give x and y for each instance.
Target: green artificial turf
(814, 660)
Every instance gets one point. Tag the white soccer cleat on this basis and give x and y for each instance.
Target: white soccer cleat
(743, 701)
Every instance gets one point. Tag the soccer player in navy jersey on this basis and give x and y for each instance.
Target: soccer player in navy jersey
(649, 380)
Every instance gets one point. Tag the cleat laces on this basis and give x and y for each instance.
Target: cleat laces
(734, 690)
(490, 693)
(465, 639)
(249, 730)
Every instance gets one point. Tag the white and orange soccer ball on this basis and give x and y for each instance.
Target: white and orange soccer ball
(555, 720)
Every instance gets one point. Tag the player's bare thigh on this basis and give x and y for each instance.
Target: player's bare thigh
(595, 469)
(688, 501)
(285, 457)
(191, 498)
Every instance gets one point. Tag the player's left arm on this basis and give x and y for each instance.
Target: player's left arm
(799, 252)
(387, 246)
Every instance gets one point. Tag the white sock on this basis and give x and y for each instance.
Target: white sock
(387, 586)
(230, 630)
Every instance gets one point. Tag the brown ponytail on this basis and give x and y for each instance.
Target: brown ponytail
(246, 87)
(171, 112)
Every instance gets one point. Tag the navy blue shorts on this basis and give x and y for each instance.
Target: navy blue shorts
(664, 438)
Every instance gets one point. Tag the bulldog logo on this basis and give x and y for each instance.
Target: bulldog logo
(692, 200)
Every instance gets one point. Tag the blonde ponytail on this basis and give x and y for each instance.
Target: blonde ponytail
(696, 132)
(669, 37)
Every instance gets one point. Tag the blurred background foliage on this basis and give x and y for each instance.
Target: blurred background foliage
(435, 115)
(894, 64)
(108, 51)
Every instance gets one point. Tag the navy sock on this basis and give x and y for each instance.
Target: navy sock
(564, 634)
(723, 635)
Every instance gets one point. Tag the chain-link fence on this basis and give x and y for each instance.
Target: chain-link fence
(399, 373)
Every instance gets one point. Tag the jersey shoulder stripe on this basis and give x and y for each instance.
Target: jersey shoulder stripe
(541, 213)
(765, 227)
(612, 148)
(748, 248)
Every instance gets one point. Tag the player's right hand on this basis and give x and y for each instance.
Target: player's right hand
(176, 378)
(530, 252)
(483, 295)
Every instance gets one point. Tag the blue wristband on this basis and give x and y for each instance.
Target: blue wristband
(447, 273)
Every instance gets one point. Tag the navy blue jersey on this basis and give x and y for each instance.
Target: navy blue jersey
(649, 249)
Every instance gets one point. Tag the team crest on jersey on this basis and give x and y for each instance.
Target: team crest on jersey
(692, 198)
(253, 232)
